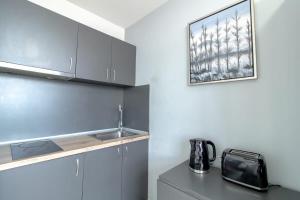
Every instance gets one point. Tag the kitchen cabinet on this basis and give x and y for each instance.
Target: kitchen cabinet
(117, 173)
(135, 171)
(102, 174)
(36, 41)
(93, 55)
(166, 192)
(35, 37)
(180, 183)
(104, 59)
(59, 179)
(123, 63)
(113, 173)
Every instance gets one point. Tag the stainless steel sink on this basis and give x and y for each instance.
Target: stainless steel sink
(113, 135)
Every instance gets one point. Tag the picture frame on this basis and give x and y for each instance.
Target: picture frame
(222, 46)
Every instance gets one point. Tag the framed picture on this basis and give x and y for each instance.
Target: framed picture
(222, 45)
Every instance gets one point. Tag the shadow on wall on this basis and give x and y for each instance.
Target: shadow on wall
(279, 64)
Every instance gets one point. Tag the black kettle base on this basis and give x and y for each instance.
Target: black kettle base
(199, 171)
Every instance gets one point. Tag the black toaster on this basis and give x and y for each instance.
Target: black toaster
(245, 168)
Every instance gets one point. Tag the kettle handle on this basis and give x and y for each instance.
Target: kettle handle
(214, 151)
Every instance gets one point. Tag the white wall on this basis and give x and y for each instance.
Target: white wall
(85, 17)
(259, 115)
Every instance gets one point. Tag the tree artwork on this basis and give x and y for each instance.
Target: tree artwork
(236, 34)
(226, 41)
(222, 46)
(218, 45)
(249, 41)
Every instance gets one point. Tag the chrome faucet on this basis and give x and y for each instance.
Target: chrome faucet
(120, 117)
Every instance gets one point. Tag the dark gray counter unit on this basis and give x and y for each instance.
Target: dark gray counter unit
(180, 183)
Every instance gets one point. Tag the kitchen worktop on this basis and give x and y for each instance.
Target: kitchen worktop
(212, 186)
(71, 145)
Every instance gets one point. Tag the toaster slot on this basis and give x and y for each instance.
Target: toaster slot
(247, 154)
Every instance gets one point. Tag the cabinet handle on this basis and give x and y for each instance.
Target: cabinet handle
(126, 148)
(107, 73)
(71, 63)
(118, 149)
(77, 167)
(114, 74)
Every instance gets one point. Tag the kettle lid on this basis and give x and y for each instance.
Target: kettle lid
(197, 140)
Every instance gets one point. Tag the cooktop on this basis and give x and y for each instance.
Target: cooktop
(34, 148)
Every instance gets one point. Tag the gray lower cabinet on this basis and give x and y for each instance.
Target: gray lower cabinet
(180, 183)
(117, 173)
(58, 179)
(123, 63)
(135, 171)
(93, 55)
(102, 174)
(167, 192)
(34, 36)
(114, 173)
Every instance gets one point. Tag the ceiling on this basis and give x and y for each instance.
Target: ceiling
(120, 12)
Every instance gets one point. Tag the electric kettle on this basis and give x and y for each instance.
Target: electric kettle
(199, 158)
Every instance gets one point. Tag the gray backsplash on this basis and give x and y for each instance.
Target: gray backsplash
(136, 107)
(35, 107)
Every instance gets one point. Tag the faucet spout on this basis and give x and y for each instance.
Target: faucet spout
(120, 126)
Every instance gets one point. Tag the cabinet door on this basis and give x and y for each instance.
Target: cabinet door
(33, 36)
(56, 179)
(135, 171)
(93, 55)
(123, 63)
(102, 174)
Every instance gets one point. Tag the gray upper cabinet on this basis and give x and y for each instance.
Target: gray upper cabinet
(135, 171)
(59, 179)
(34, 40)
(33, 36)
(93, 55)
(102, 174)
(104, 59)
(123, 63)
